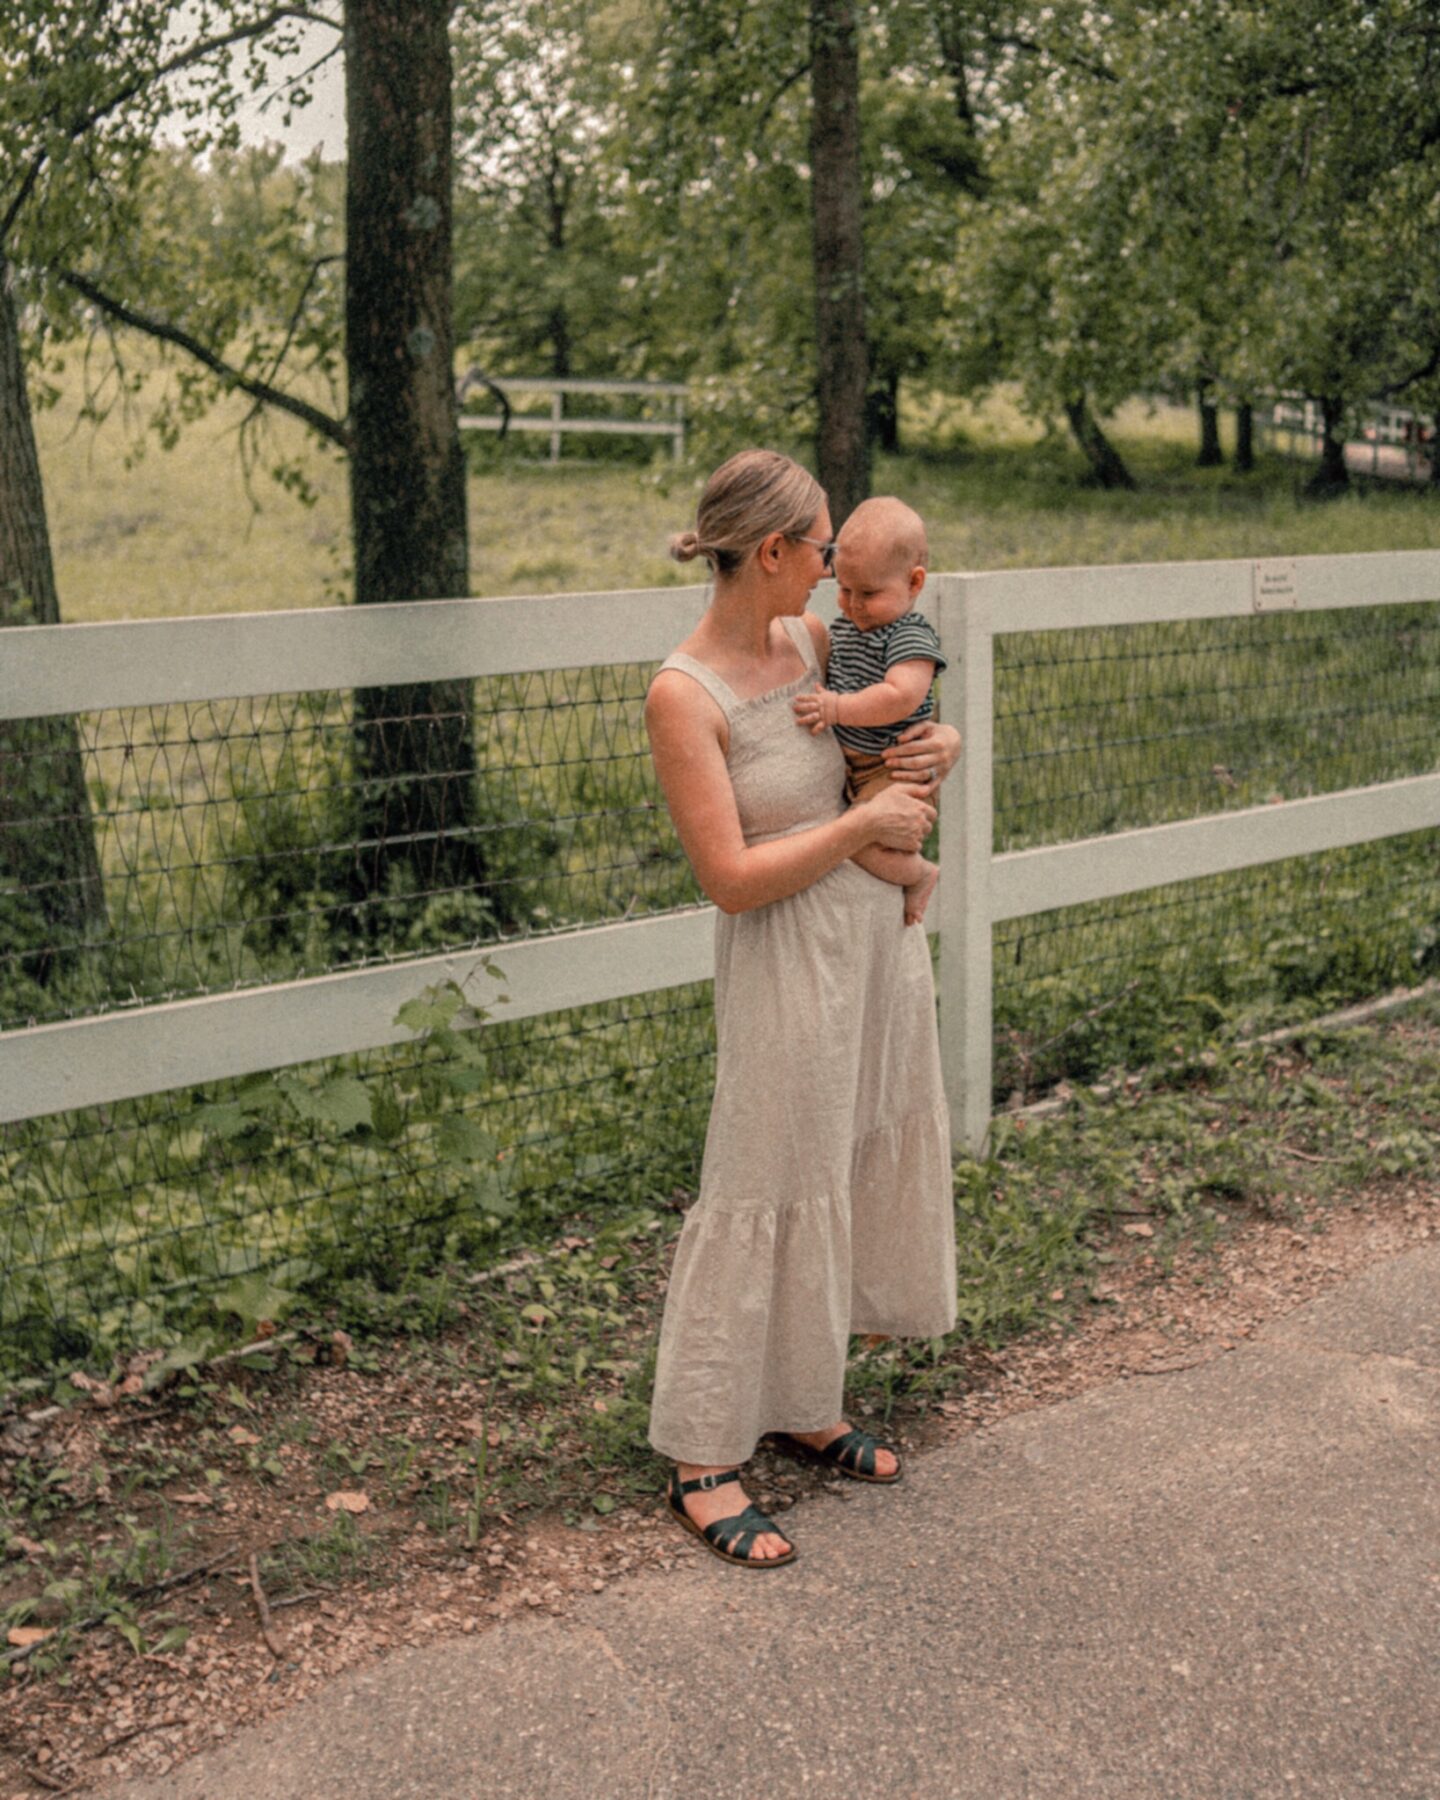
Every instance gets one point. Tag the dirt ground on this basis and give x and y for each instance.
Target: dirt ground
(113, 1712)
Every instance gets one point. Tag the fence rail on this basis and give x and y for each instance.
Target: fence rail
(1383, 428)
(1067, 646)
(672, 393)
(75, 668)
(980, 889)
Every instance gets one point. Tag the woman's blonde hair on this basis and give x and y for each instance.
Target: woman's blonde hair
(755, 493)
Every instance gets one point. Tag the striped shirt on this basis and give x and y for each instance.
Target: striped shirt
(858, 659)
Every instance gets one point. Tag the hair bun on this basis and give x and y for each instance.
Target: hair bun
(685, 546)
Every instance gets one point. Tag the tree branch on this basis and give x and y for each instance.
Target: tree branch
(1033, 47)
(474, 376)
(315, 267)
(1423, 373)
(183, 59)
(292, 82)
(322, 423)
(952, 54)
(786, 83)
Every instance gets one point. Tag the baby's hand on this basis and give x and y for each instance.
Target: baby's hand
(817, 710)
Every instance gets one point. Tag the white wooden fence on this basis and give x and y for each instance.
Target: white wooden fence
(60, 669)
(1400, 443)
(558, 422)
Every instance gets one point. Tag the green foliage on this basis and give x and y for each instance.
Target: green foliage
(238, 254)
(1213, 194)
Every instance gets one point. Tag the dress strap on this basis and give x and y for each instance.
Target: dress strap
(718, 691)
(803, 642)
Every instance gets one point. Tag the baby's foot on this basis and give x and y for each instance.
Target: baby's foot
(917, 894)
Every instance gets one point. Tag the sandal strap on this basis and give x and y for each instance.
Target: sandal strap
(855, 1449)
(704, 1483)
(737, 1534)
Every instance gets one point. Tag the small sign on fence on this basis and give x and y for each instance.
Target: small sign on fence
(1275, 586)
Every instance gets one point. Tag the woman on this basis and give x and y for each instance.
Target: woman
(825, 1200)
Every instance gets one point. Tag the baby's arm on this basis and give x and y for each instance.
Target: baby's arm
(882, 703)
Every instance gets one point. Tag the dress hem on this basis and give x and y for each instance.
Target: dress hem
(711, 1459)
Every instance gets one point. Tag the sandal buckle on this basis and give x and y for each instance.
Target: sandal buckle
(707, 1482)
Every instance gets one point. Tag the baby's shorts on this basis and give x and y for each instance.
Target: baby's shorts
(867, 773)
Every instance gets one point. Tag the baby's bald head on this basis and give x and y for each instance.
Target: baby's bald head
(887, 534)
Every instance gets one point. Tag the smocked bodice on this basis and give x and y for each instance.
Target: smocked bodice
(784, 778)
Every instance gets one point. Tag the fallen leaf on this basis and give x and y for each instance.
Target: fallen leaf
(191, 1499)
(1141, 1231)
(239, 1435)
(348, 1502)
(23, 1546)
(22, 1636)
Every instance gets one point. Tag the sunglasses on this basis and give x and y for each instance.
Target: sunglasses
(827, 550)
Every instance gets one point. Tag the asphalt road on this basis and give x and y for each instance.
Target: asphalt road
(1217, 1584)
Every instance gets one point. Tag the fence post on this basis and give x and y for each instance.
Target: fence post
(678, 441)
(966, 846)
(557, 413)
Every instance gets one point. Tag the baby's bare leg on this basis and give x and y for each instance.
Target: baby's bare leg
(902, 868)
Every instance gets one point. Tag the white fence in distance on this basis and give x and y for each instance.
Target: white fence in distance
(558, 423)
(59, 669)
(1401, 444)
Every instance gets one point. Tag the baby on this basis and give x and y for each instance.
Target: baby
(883, 659)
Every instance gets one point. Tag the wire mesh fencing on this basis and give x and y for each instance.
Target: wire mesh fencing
(243, 842)
(114, 1221)
(247, 842)
(1115, 728)
(166, 852)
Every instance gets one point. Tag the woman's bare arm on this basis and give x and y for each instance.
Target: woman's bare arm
(686, 741)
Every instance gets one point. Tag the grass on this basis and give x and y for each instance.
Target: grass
(174, 533)
(525, 1395)
(215, 819)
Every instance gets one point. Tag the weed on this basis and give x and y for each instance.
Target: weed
(340, 1552)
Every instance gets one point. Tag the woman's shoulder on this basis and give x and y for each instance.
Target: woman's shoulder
(819, 634)
(679, 697)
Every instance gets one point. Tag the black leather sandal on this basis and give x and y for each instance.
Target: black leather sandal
(852, 1453)
(729, 1539)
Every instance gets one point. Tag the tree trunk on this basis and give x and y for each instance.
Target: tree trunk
(47, 842)
(1245, 437)
(560, 362)
(1107, 467)
(1432, 450)
(415, 744)
(842, 447)
(560, 358)
(1211, 455)
(1332, 477)
(882, 414)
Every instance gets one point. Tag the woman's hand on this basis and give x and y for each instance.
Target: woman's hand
(901, 817)
(924, 752)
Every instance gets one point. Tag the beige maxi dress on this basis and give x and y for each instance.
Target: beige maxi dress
(825, 1202)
